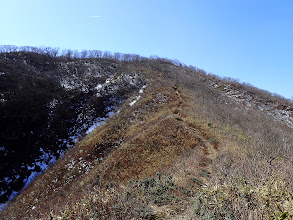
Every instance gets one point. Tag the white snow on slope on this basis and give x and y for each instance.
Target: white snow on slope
(98, 122)
(138, 97)
(134, 101)
(112, 84)
(47, 158)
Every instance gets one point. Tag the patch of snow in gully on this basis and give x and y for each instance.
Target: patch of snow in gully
(134, 101)
(98, 122)
(138, 97)
(47, 158)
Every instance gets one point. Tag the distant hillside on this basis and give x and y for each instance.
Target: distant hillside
(180, 143)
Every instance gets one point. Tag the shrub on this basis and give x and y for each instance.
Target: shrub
(155, 190)
(242, 199)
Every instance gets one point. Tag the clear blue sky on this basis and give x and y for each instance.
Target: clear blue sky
(250, 40)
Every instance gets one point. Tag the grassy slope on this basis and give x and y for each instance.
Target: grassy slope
(156, 156)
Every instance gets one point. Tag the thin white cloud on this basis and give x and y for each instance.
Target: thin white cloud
(95, 16)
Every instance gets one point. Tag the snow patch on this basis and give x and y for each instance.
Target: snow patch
(7, 179)
(141, 90)
(2, 193)
(98, 122)
(138, 97)
(28, 180)
(112, 84)
(53, 103)
(98, 87)
(134, 101)
(74, 83)
(46, 159)
(4, 205)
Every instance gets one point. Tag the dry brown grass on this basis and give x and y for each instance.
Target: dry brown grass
(136, 143)
(193, 134)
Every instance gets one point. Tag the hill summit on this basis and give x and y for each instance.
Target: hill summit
(93, 135)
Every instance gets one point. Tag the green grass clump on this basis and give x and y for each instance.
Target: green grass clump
(204, 173)
(155, 190)
(197, 181)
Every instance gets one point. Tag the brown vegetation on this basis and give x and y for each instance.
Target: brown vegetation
(184, 150)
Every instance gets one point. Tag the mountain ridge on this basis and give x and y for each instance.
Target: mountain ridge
(171, 151)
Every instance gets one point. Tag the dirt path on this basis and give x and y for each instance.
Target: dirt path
(205, 150)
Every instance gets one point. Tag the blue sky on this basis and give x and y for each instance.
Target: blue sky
(250, 40)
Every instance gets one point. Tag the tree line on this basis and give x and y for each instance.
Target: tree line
(76, 54)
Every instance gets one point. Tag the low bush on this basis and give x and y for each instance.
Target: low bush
(242, 199)
(157, 191)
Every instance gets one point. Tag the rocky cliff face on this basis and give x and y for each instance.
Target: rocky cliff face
(277, 107)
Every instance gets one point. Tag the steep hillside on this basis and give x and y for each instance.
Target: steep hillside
(47, 104)
(182, 144)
